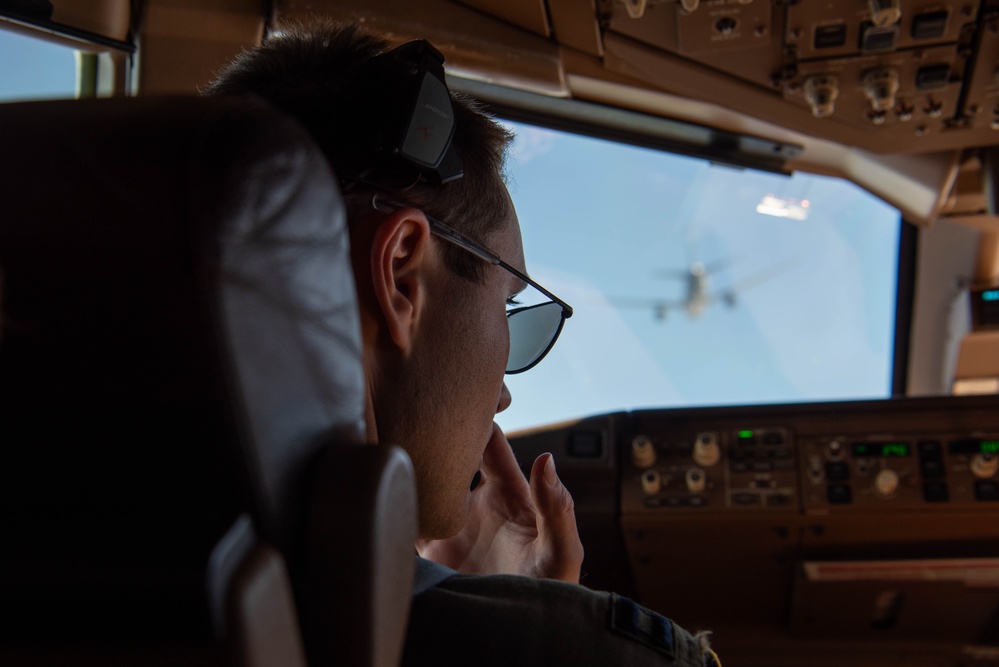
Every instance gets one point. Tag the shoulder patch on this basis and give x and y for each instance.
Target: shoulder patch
(634, 621)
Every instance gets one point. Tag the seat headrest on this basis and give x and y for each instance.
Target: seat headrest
(179, 327)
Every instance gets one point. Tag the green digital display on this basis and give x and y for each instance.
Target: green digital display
(880, 449)
(745, 434)
(974, 446)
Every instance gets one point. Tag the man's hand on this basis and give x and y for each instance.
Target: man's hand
(514, 527)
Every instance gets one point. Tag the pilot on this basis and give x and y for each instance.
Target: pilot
(439, 269)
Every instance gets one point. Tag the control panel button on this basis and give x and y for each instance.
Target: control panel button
(745, 498)
(929, 448)
(773, 438)
(986, 491)
(830, 36)
(586, 445)
(837, 470)
(874, 38)
(929, 25)
(840, 494)
(933, 77)
(936, 492)
(778, 499)
(931, 468)
(643, 452)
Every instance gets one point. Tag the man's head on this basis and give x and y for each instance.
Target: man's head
(330, 77)
(433, 314)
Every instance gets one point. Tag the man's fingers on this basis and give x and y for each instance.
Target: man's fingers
(499, 462)
(561, 553)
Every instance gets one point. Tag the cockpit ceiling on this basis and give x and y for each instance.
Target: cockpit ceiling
(904, 81)
(851, 81)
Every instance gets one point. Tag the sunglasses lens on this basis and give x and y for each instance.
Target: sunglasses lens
(532, 332)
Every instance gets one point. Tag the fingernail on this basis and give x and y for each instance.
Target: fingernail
(550, 475)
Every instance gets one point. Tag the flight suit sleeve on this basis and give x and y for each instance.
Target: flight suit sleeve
(511, 620)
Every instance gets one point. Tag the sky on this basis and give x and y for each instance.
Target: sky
(604, 223)
(33, 69)
(605, 226)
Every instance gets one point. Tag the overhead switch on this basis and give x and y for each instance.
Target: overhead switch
(821, 92)
(874, 39)
(830, 36)
(885, 12)
(933, 77)
(932, 25)
(880, 86)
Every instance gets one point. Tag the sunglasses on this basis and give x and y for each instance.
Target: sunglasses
(535, 321)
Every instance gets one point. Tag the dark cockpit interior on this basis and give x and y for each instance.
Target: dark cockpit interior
(828, 525)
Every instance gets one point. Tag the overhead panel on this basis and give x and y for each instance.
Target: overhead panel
(908, 75)
(722, 27)
(982, 87)
(575, 25)
(476, 44)
(528, 14)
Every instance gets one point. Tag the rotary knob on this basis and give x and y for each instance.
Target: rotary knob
(695, 480)
(643, 452)
(886, 483)
(706, 450)
(984, 465)
(651, 482)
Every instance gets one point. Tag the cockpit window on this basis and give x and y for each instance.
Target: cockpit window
(697, 284)
(35, 69)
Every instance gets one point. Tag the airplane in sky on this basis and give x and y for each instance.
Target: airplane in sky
(698, 294)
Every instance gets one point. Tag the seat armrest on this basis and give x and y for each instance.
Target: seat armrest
(363, 528)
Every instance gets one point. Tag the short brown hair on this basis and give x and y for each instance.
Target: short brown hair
(314, 72)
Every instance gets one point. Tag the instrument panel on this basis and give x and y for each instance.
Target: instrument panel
(808, 534)
(768, 468)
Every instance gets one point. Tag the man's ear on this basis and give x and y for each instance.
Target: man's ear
(400, 265)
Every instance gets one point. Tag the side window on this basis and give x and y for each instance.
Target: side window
(34, 69)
